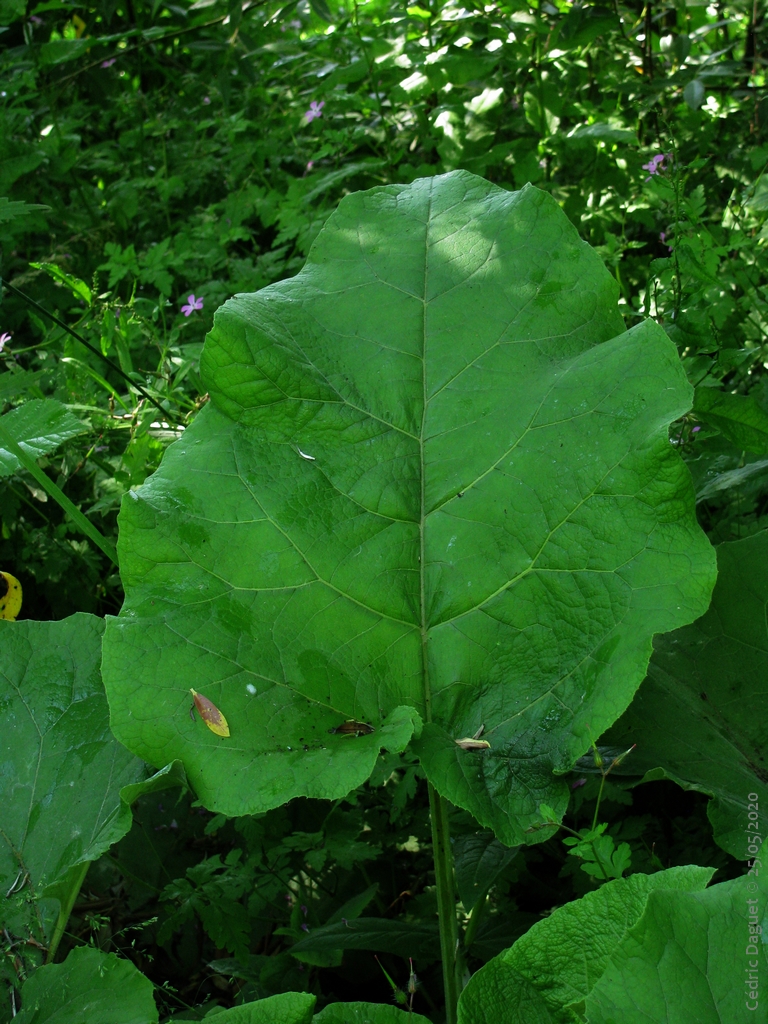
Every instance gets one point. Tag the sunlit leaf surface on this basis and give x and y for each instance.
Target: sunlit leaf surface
(434, 478)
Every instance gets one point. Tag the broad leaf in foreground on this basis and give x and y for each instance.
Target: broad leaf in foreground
(39, 426)
(434, 483)
(67, 783)
(90, 987)
(692, 956)
(558, 961)
(713, 676)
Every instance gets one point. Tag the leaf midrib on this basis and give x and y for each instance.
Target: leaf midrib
(425, 682)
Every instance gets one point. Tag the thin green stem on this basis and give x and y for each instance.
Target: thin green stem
(599, 798)
(475, 917)
(66, 904)
(77, 517)
(446, 901)
(88, 345)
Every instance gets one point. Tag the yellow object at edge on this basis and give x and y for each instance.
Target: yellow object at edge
(10, 596)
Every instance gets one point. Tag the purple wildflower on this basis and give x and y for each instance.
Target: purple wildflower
(304, 910)
(192, 305)
(206, 100)
(305, 927)
(695, 429)
(656, 164)
(315, 110)
(578, 782)
(35, 20)
(108, 63)
(4, 339)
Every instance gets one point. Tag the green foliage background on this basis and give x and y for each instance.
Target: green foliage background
(152, 151)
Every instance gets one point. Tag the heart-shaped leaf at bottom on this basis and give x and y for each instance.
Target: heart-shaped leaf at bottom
(285, 1008)
(713, 676)
(366, 1013)
(90, 987)
(297, 1008)
(558, 961)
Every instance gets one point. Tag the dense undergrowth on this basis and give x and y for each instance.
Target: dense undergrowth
(157, 159)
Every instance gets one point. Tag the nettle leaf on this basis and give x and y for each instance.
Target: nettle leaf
(434, 482)
(39, 426)
(69, 783)
(90, 987)
(712, 675)
(557, 963)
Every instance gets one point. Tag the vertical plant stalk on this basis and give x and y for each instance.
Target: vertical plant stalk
(67, 901)
(438, 807)
(91, 348)
(446, 901)
(84, 525)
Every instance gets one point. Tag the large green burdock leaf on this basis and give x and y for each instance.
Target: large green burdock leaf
(713, 676)
(557, 963)
(67, 784)
(434, 476)
(692, 956)
(90, 987)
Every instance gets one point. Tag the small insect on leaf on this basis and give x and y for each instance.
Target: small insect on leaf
(10, 596)
(473, 742)
(210, 714)
(353, 728)
(467, 743)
